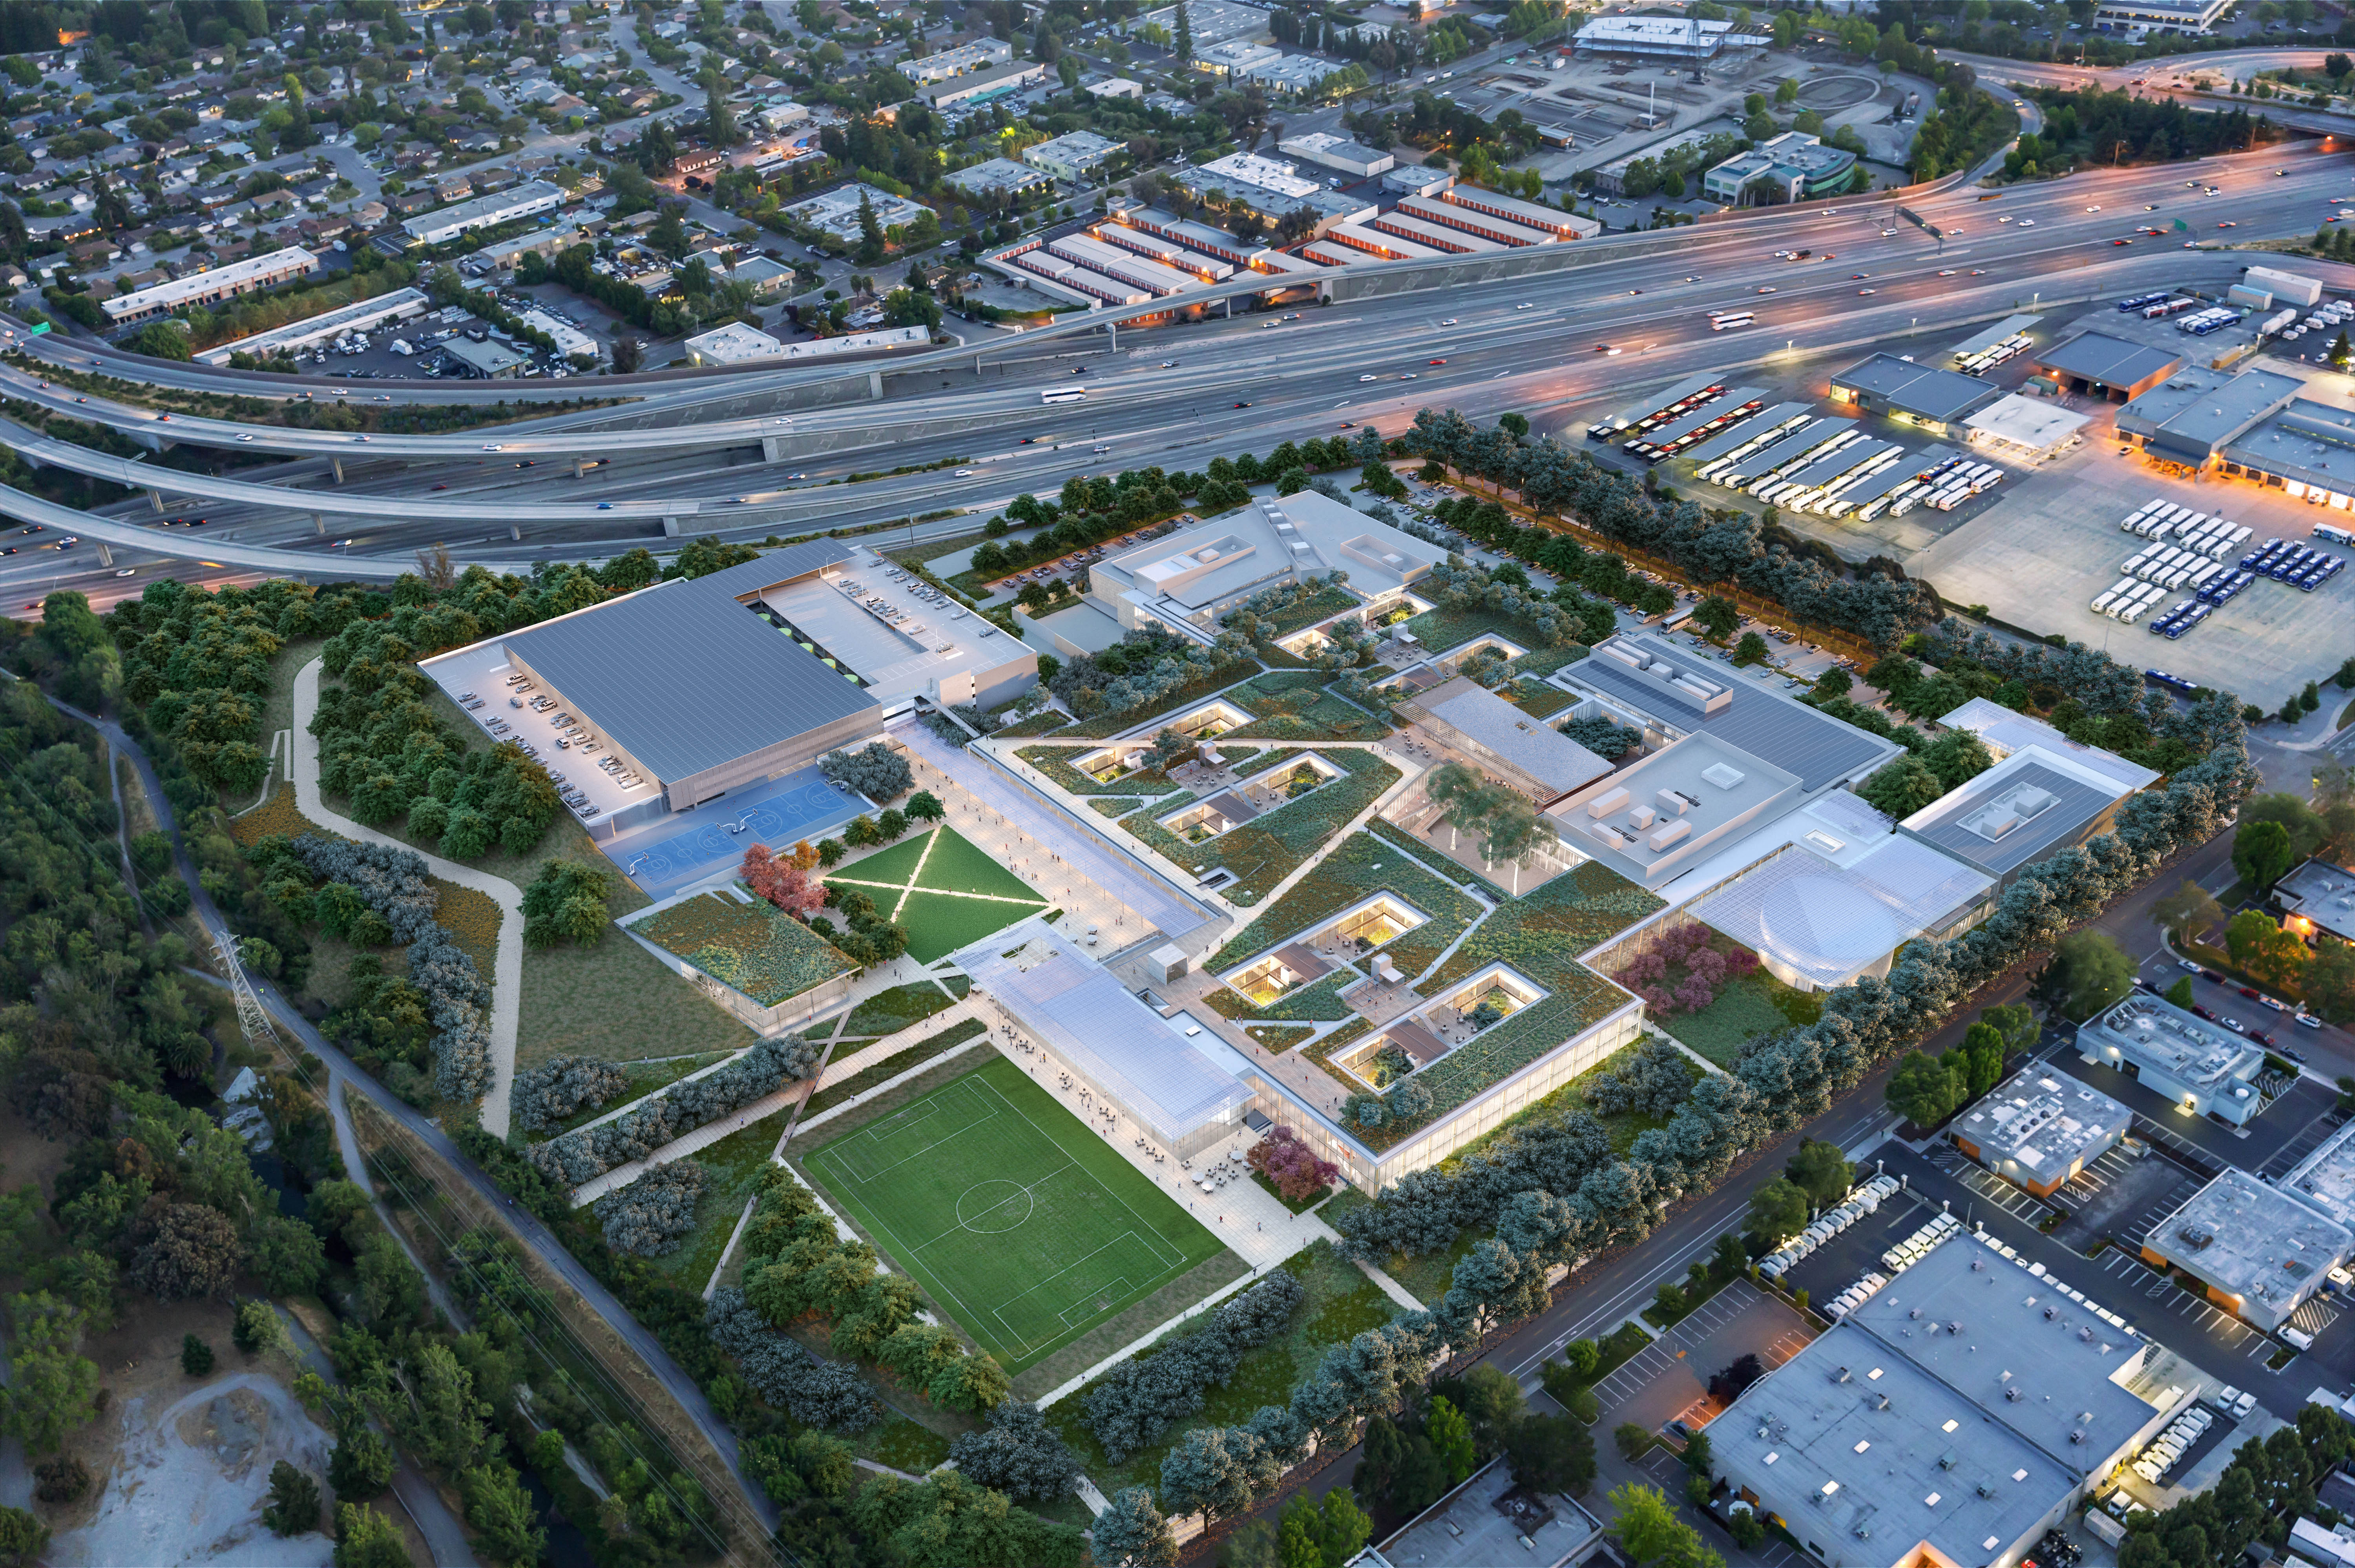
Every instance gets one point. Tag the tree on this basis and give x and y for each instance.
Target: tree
(361, 1465)
(781, 882)
(23, 1538)
(1902, 786)
(2088, 972)
(1492, 1402)
(2189, 910)
(878, 772)
(924, 806)
(2181, 992)
(1924, 1090)
(567, 902)
(503, 1513)
(870, 232)
(1777, 1210)
(2306, 828)
(259, 1328)
(1450, 1433)
(1716, 616)
(2261, 852)
(366, 1538)
(2263, 949)
(1750, 649)
(184, 1250)
(1647, 1524)
(288, 1258)
(1132, 1530)
(294, 1507)
(1019, 1454)
(52, 1389)
(196, 1356)
(1819, 1170)
(1631, 1440)
(1982, 1049)
(1550, 1454)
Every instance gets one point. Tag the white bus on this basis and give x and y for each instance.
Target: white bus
(2334, 533)
(1064, 395)
(1721, 320)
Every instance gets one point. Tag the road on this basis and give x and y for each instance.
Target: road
(526, 1229)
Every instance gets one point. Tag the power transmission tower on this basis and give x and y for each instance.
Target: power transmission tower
(251, 1018)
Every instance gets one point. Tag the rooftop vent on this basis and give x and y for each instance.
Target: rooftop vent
(1723, 775)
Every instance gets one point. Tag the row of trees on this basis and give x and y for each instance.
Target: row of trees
(589, 1152)
(1706, 547)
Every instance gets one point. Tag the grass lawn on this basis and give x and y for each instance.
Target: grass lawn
(617, 1002)
(1012, 1217)
(1441, 629)
(888, 1011)
(1752, 1006)
(734, 1165)
(1289, 705)
(944, 889)
(1200, 691)
(1340, 1303)
(891, 1066)
(1264, 851)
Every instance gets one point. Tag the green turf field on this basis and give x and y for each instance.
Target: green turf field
(1011, 1214)
(944, 890)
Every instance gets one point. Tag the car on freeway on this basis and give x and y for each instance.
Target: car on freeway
(489, 446)
(1604, 348)
(1768, 288)
(1525, 305)
(246, 436)
(966, 471)
(1439, 362)
(127, 571)
(2095, 208)
(1864, 290)
(360, 438)
(2122, 242)
(2228, 223)
(2150, 207)
(1363, 380)
(1449, 321)
(1242, 405)
(969, 472)
(1854, 277)
(2027, 223)
(9, 551)
(81, 399)
(2278, 174)
(1407, 375)
(1979, 271)
(1888, 234)
(1945, 272)
(605, 506)
(162, 419)
(2006, 218)
(1168, 365)
(1270, 327)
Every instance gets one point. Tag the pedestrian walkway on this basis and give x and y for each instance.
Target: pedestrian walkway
(506, 963)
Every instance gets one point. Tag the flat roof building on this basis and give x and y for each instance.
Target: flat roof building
(2260, 1253)
(485, 361)
(2193, 415)
(1652, 38)
(1794, 167)
(982, 86)
(999, 176)
(948, 63)
(2032, 805)
(1937, 400)
(1329, 151)
(1186, 581)
(1245, 172)
(365, 316)
(526, 200)
(1669, 691)
(1959, 1413)
(2003, 732)
(836, 212)
(2100, 366)
(1656, 816)
(2165, 15)
(211, 286)
(2203, 1067)
(2024, 430)
(2324, 1179)
(1083, 1016)
(1076, 156)
(1486, 1520)
(2040, 1129)
(2306, 450)
(1527, 753)
(734, 344)
(2319, 898)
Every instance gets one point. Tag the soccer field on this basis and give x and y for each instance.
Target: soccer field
(946, 892)
(1010, 1212)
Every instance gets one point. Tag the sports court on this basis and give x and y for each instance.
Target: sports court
(944, 889)
(1014, 1217)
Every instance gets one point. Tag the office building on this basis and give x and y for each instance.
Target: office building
(2040, 1129)
(2203, 1067)
(2319, 898)
(1507, 743)
(959, 61)
(1794, 167)
(1077, 157)
(526, 200)
(2259, 1252)
(2032, 805)
(999, 177)
(210, 287)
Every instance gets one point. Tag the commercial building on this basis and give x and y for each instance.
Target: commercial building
(526, 200)
(2024, 430)
(1910, 394)
(485, 361)
(210, 287)
(2324, 1179)
(835, 212)
(312, 331)
(2100, 366)
(1186, 581)
(1667, 38)
(1508, 745)
(1075, 157)
(2194, 415)
(737, 344)
(1172, 1087)
(2284, 288)
(2206, 1069)
(702, 686)
(2003, 732)
(2032, 805)
(1486, 1520)
(948, 64)
(1959, 1413)
(2259, 1252)
(1329, 151)
(2040, 1129)
(999, 177)
(981, 86)
(1247, 174)
(570, 341)
(2319, 898)
(1794, 167)
(2160, 15)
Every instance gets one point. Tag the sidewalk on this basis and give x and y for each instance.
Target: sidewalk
(507, 967)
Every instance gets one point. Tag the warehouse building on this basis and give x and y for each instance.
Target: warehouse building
(2029, 807)
(2260, 1253)
(979, 87)
(210, 287)
(2100, 366)
(2204, 1068)
(2192, 416)
(309, 333)
(948, 64)
(1958, 1413)
(1666, 38)
(2041, 1128)
(1329, 151)
(2324, 1179)
(1937, 400)
(526, 200)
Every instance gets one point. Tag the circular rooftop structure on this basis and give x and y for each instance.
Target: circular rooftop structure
(1822, 926)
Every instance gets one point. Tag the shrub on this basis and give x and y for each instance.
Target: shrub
(650, 1215)
(561, 1087)
(578, 1157)
(878, 772)
(196, 1356)
(1653, 1083)
(1137, 1400)
(60, 1478)
(1018, 1455)
(565, 903)
(813, 1392)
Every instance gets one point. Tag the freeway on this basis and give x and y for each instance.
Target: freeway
(2172, 79)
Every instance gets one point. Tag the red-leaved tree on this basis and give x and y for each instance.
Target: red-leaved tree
(782, 883)
(1283, 1159)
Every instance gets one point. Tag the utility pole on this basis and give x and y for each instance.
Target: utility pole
(251, 1018)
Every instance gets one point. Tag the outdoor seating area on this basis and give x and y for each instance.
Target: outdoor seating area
(1490, 997)
(1217, 1172)
(1287, 968)
(1381, 1060)
(1289, 781)
(1208, 722)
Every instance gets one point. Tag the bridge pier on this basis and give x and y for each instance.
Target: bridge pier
(875, 385)
(156, 498)
(105, 555)
(318, 523)
(515, 530)
(670, 527)
(580, 466)
(1112, 335)
(337, 464)
(773, 448)
(1228, 304)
